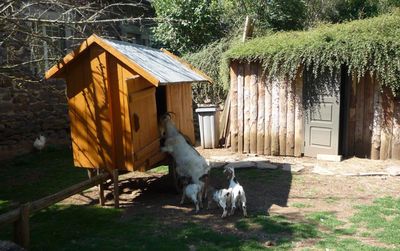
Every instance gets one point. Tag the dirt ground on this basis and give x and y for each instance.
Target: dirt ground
(274, 195)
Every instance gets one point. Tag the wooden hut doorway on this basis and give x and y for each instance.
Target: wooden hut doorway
(322, 99)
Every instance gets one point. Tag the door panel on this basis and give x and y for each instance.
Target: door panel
(143, 115)
(322, 115)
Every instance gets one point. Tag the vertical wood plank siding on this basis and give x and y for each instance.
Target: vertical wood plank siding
(270, 115)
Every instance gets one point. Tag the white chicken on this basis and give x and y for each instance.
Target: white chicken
(40, 142)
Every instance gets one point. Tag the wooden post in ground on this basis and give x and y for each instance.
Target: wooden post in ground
(376, 125)
(282, 116)
(116, 188)
(275, 118)
(240, 107)
(92, 173)
(246, 121)
(21, 227)
(396, 131)
(358, 137)
(253, 107)
(299, 117)
(290, 119)
(387, 124)
(101, 190)
(268, 106)
(234, 106)
(261, 113)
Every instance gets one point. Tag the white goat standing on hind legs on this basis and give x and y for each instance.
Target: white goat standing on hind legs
(189, 162)
(238, 195)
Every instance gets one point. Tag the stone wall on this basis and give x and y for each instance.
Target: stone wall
(30, 109)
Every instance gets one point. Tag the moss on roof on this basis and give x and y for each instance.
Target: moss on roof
(369, 45)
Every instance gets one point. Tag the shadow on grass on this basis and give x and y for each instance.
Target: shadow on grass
(35, 175)
(94, 228)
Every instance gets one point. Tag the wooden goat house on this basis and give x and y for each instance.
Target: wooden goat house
(116, 93)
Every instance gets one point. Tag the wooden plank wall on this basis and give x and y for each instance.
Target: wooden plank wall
(89, 110)
(269, 116)
(266, 113)
(372, 120)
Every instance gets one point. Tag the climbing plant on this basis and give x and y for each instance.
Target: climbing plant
(369, 45)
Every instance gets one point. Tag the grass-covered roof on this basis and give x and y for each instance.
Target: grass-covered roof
(369, 45)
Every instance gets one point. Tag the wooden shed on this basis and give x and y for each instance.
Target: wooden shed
(116, 93)
(356, 118)
(330, 91)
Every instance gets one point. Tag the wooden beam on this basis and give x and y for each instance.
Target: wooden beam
(268, 106)
(21, 229)
(299, 115)
(234, 106)
(290, 118)
(61, 195)
(246, 105)
(376, 126)
(275, 118)
(282, 116)
(358, 135)
(102, 199)
(116, 188)
(352, 116)
(396, 130)
(240, 107)
(387, 124)
(368, 113)
(261, 113)
(253, 107)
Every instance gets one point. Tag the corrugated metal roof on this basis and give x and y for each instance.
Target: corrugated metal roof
(161, 65)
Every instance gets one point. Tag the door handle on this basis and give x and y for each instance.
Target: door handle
(136, 123)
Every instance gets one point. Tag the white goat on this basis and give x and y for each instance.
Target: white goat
(192, 191)
(189, 163)
(222, 197)
(238, 195)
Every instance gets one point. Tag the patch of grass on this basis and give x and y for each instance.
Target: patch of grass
(326, 219)
(159, 169)
(35, 175)
(334, 243)
(300, 205)
(382, 219)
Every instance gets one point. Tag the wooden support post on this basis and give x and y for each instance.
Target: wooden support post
(368, 113)
(240, 107)
(234, 107)
(116, 188)
(396, 131)
(268, 106)
(387, 124)
(102, 200)
(299, 117)
(21, 227)
(282, 116)
(261, 113)
(358, 137)
(92, 173)
(376, 126)
(246, 121)
(352, 116)
(275, 118)
(253, 107)
(290, 119)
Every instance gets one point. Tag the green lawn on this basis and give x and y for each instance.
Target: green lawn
(71, 227)
(33, 176)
